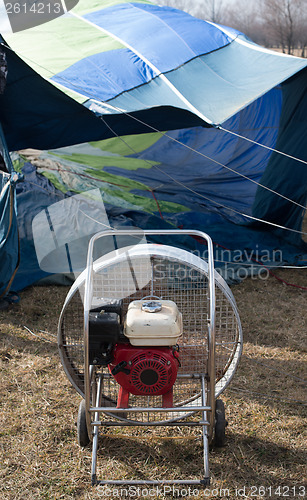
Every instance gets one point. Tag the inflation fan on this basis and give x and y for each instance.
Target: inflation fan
(149, 335)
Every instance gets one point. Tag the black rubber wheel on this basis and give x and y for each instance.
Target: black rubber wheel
(82, 434)
(220, 424)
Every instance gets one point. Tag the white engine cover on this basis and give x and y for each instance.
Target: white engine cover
(160, 328)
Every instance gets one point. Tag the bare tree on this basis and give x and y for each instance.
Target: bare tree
(300, 32)
(302, 37)
(212, 10)
(272, 23)
(242, 16)
(246, 17)
(285, 21)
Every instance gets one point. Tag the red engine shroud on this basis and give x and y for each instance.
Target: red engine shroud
(144, 371)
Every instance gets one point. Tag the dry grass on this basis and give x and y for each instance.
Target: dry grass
(40, 458)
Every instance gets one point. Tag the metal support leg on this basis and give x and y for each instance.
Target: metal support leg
(206, 479)
(96, 432)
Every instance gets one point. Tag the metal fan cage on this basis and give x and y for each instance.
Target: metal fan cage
(168, 273)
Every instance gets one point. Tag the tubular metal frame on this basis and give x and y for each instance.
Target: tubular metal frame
(207, 380)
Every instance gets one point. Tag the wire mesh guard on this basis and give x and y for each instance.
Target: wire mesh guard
(171, 274)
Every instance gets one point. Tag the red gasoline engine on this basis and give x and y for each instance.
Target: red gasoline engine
(145, 372)
(140, 350)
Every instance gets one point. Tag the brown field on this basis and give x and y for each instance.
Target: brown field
(265, 404)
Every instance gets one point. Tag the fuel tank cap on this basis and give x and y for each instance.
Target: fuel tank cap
(151, 306)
